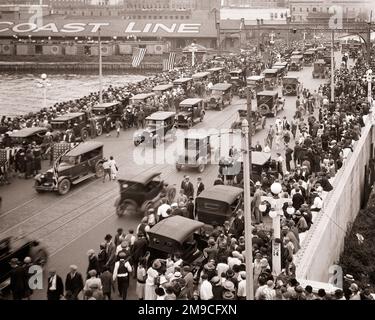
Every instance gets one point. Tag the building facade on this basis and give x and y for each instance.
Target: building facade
(253, 3)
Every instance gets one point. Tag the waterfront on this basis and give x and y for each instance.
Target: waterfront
(20, 94)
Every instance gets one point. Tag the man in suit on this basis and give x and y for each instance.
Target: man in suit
(18, 280)
(74, 282)
(111, 253)
(188, 187)
(55, 289)
(288, 157)
(200, 186)
(286, 125)
(69, 136)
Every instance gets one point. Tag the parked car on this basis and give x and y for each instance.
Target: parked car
(320, 69)
(255, 84)
(221, 95)
(190, 110)
(162, 88)
(308, 57)
(257, 119)
(21, 248)
(101, 112)
(236, 80)
(197, 152)
(77, 121)
(139, 194)
(185, 83)
(268, 103)
(217, 204)
(270, 78)
(80, 163)
(291, 86)
(281, 70)
(178, 235)
(28, 135)
(216, 73)
(158, 126)
(201, 76)
(296, 62)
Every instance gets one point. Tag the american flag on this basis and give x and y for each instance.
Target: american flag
(168, 64)
(6, 157)
(138, 55)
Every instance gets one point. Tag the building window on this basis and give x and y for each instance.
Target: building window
(314, 9)
(275, 15)
(92, 13)
(271, 15)
(281, 15)
(294, 9)
(307, 9)
(177, 17)
(300, 9)
(83, 13)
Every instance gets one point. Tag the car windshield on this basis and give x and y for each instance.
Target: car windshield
(154, 123)
(59, 125)
(69, 160)
(99, 111)
(217, 92)
(186, 108)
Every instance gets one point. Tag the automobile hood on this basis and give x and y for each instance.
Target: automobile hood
(184, 113)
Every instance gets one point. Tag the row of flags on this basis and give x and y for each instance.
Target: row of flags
(139, 54)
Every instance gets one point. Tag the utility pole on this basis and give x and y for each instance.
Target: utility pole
(332, 68)
(100, 70)
(369, 41)
(247, 134)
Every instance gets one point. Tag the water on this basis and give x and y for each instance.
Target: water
(20, 94)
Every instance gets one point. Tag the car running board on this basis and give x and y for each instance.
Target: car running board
(88, 176)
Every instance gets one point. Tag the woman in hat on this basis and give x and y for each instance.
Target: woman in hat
(152, 280)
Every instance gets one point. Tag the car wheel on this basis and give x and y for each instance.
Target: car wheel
(178, 167)
(99, 170)
(264, 109)
(129, 209)
(84, 135)
(64, 186)
(201, 167)
(99, 130)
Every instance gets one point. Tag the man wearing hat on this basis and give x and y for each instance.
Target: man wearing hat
(55, 287)
(188, 187)
(241, 291)
(205, 291)
(257, 200)
(200, 186)
(121, 273)
(189, 280)
(18, 280)
(211, 251)
(74, 282)
(217, 288)
(239, 224)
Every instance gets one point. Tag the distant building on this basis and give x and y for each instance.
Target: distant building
(268, 15)
(253, 3)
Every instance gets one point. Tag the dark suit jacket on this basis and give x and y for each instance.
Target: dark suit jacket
(188, 189)
(55, 294)
(18, 280)
(111, 256)
(200, 188)
(75, 284)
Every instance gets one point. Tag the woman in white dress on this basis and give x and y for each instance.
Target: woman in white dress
(113, 166)
(150, 286)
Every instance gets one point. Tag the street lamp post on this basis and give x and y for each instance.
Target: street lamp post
(100, 69)
(44, 84)
(193, 50)
(247, 207)
(332, 68)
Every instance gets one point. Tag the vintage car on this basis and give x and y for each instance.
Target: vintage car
(282, 63)
(270, 78)
(185, 83)
(255, 84)
(158, 126)
(320, 69)
(258, 120)
(139, 194)
(82, 162)
(221, 95)
(140, 101)
(217, 204)
(308, 57)
(19, 248)
(216, 73)
(101, 112)
(236, 79)
(268, 103)
(296, 53)
(260, 162)
(180, 236)
(296, 62)
(28, 135)
(190, 110)
(197, 153)
(77, 121)
(201, 76)
(327, 58)
(291, 86)
(162, 88)
(320, 52)
(281, 70)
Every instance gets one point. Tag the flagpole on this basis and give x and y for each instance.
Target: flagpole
(100, 71)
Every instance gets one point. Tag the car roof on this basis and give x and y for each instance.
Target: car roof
(270, 71)
(222, 193)
(291, 77)
(68, 116)
(255, 78)
(309, 52)
(105, 105)
(84, 147)
(142, 96)
(182, 80)
(196, 136)
(215, 69)
(200, 74)
(221, 86)
(161, 115)
(299, 56)
(320, 61)
(25, 132)
(275, 66)
(162, 87)
(142, 178)
(259, 158)
(190, 101)
(267, 93)
(235, 71)
(177, 228)
(284, 63)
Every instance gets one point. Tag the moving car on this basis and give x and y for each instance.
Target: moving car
(216, 73)
(162, 88)
(77, 121)
(179, 236)
(185, 83)
(101, 112)
(197, 152)
(80, 163)
(217, 204)
(190, 110)
(296, 62)
(256, 117)
(236, 80)
(140, 101)
(201, 76)
(28, 135)
(158, 125)
(255, 84)
(291, 86)
(308, 57)
(270, 78)
(320, 69)
(221, 95)
(19, 248)
(139, 194)
(281, 70)
(268, 103)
